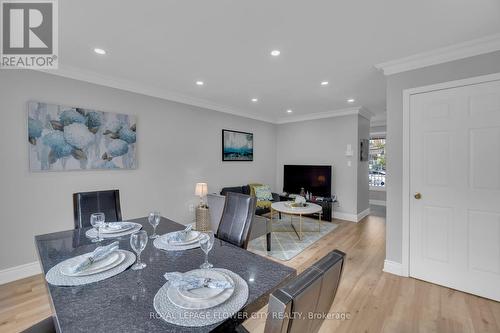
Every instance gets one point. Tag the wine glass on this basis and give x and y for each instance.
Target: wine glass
(97, 221)
(206, 244)
(154, 219)
(138, 241)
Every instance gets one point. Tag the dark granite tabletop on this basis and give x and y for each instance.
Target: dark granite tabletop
(124, 303)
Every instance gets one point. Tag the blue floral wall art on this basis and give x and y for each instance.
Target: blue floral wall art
(71, 138)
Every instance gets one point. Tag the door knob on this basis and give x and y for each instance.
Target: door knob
(417, 195)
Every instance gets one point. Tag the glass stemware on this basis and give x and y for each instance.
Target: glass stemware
(138, 241)
(206, 244)
(154, 219)
(97, 221)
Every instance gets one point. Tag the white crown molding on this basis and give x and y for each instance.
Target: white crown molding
(327, 114)
(19, 272)
(127, 85)
(445, 54)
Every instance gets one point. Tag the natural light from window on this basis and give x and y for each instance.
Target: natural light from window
(376, 163)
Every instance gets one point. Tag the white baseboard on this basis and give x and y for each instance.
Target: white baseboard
(363, 214)
(393, 267)
(378, 202)
(19, 272)
(351, 217)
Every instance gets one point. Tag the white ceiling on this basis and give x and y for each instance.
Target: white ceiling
(168, 45)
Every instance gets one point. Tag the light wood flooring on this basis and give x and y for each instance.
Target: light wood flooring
(374, 301)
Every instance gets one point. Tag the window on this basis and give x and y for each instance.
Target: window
(376, 163)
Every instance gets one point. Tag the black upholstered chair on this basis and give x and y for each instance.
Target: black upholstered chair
(312, 292)
(237, 218)
(45, 326)
(87, 203)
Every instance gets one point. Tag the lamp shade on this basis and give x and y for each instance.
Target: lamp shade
(201, 189)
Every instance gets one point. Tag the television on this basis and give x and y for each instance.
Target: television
(315, 179)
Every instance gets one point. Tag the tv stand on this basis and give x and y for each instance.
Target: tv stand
(326, 204)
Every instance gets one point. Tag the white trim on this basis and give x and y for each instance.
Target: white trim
(123, 84)
(19, 272)
(378, 202)
(327, 114)
(351, 217)
(445, 54)
(393, 267)
(378, 122)
(378, 188)
(406, 194)
(363, 214)
(378, 134)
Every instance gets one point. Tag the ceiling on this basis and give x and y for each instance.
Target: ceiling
(168, 45)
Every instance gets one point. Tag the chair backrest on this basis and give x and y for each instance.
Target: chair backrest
(215, 208)
(237, 219)
(87, 203)
(303, 304)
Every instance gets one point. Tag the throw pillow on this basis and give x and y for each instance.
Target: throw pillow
(263, 193)
(252, 188)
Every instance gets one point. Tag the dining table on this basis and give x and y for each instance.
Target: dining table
(124, 302)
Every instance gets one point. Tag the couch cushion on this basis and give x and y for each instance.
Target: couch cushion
(235, 189)
(263, 193)
(264, 204)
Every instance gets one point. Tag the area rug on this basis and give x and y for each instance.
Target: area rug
(286, 245)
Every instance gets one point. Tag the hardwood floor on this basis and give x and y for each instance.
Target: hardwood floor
(373, 300)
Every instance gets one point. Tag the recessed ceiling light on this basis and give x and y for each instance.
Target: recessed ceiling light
(324, 83)
(255, 100)
(99, 51)
(289, 111)
(351, 100)
(200, 83)
(275, 53)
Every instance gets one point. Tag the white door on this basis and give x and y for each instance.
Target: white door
(455, 166)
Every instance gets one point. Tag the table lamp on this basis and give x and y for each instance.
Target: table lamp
(202, 214)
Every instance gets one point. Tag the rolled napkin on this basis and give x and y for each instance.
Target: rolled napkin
(300, 199)
(180, 236)
(185, 281)
(99, 253)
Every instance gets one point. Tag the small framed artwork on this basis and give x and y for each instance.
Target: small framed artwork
(237, 146)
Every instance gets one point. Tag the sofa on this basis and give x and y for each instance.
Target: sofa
(261, 225)
(263, 207)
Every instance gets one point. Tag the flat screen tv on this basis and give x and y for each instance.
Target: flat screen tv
(316, 179)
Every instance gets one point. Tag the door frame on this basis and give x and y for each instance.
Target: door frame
(407, 127)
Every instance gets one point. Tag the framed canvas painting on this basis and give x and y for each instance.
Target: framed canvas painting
(237, 146)
(71, 138)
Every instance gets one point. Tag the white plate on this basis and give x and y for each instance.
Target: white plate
(113, 227)
(179, 300)
(111, 261)
(203, 293)
(193, 237)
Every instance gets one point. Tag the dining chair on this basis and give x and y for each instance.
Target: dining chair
(237, 219)
(87, 203)
(304, 303)
(45, 326)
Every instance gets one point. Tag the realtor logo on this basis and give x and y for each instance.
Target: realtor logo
(29, 34)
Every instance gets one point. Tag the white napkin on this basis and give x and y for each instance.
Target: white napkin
(180, 236)
(116, 225)
(99, 253)
(185, 281)
(300, 199)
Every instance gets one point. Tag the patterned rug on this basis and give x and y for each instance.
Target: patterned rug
(286, 245)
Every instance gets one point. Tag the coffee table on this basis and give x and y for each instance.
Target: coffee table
(283, 208)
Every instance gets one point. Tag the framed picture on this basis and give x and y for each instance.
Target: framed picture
(64, 138)
(237, 146)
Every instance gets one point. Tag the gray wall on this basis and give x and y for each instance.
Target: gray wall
(178, 145)
(363, 186)
(378, 129)
(322, 141)
(455, 70)
(378, 195)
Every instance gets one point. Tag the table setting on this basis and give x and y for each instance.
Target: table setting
(180, 290)
(102, 230)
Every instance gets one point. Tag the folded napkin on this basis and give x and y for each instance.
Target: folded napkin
(117, 226)
(300, 199)
(99, 253)
(179, 236)
(185, 281)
